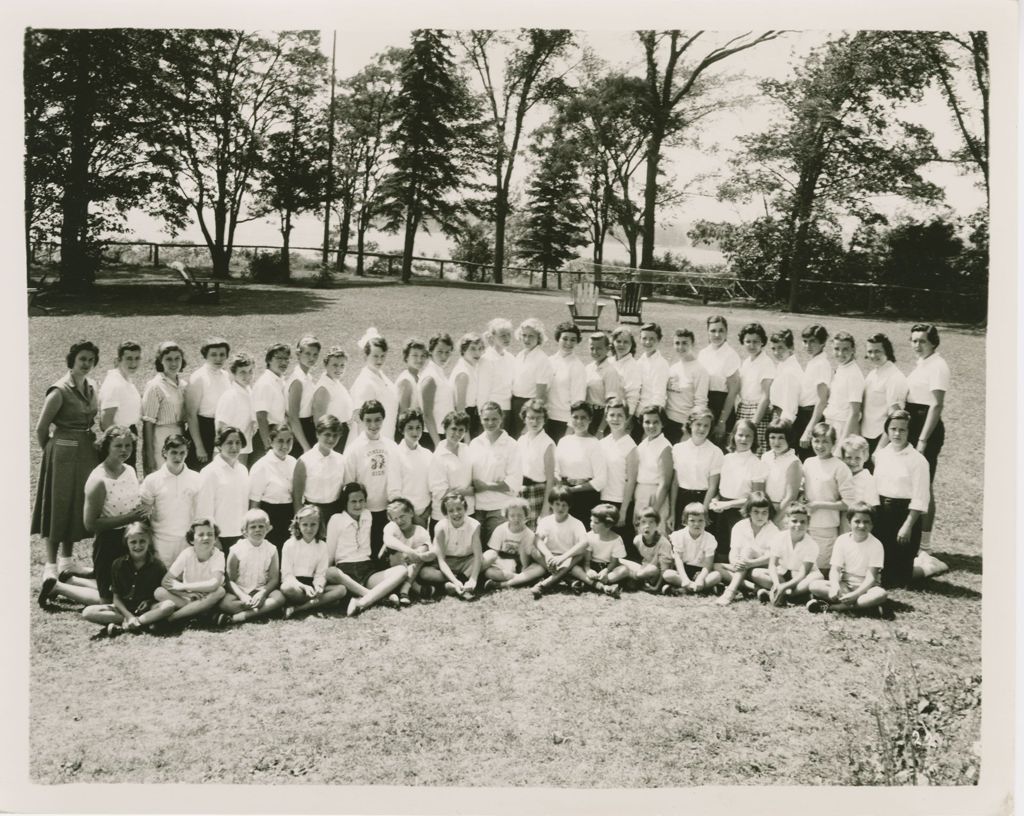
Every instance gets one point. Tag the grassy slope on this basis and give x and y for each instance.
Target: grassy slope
(568, 691)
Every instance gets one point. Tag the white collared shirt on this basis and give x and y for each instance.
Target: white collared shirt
(533, 368)
(753, 372)
(903, 475)
(339, 401)
(929, 374)
(494, 384)
(649, 453)
(118, 393)
(629, 371)
(306, 395)
(818, 371)
(603, 381)
(653, 379)
(348, 539)
(224, 495)
(785, 390)
(449, 471)
(414, 475)
(883, 387)
(615, 452)
(305, 559)
(847, 386)
(739, 471)
(581, 457)
(827, 480)
(720, 363)
(568, 385)
(268, 394)
(270, 479)
(532, 450)
(325, 475)
(235, 409)
(214, 382)
(696, 464)
(496, 461)
(471, 373)
(172, 499)
(686, 390)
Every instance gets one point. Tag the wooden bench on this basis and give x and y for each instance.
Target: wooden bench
(629, 303)
(199, 289)
(585, 308)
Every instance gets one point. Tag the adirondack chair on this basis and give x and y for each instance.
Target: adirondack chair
(198, 288)
(37, 290)
(629, 303)
(585, 308)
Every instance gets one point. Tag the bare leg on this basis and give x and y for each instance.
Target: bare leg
(85, 595)
(102, 614)
(530, 574)
(185, 608)
(380, 585)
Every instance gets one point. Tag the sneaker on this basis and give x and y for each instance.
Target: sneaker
(449, 589)
(45, 588)
(404, 600)
(537, 592)
(669, 590)
(113, 630)
(764, 596)
(816, 606)
(490, 585)
(718, 589)
(354, 609)
(393, 601)
(613, 590)
(223, 619)
(289, 612)
(577, 587)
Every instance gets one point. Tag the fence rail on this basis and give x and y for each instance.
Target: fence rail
(704, 286)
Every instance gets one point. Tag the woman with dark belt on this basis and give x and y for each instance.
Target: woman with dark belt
(580, 465)
(927, 384)
(299, 390)
(814, 389)
(885, 389)
(205, 387)
(722, 363)
(69, 456)
(901, 476)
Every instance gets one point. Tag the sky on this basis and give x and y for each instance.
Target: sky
(697, 168)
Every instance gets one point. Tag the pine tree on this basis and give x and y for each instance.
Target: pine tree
(433, 141)
(555, 220)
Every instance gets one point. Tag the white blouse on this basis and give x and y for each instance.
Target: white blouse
(903, 475)
(444, 397)
(270, 479)
(696, 464)
(532, 449)
(616, 451)
(268, 395)
(686, 390)
(235, 409)
(223, 495)
(533, 368)
(373, 384)
(883, 386)
(653, 379)
(720, 363)
(580, 457)
(494, 383)
(785, 390)
(306, 395)
(649, 453)
(629, 370)
(471, 372)
(739, 472)
(818, 371)
(847, 386)
(754, 371)
(339, 401)
(776, 468)
(414, 475)
(325, 475)
(215, 381)
(568, 385)
(449, 471)
(929, 374)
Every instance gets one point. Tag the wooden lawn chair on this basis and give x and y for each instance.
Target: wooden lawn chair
(629, 303)
(37, 290)
(585, 308)
(204, 289)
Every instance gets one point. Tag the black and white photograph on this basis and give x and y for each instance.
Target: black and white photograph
(558, 413)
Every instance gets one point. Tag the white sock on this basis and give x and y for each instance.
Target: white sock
(65, 562)
(50, 570)
(926, 539)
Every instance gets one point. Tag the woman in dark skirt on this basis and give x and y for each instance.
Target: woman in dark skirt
(69, 456)
(722, 363)
(927, 384)
(814, 389)
(901, 476)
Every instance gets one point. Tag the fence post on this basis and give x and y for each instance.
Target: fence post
(391, 258)
(156, 254)
(440, 273)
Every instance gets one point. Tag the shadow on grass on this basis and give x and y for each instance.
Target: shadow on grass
(934, 586)
(157, 299)
(958, 562)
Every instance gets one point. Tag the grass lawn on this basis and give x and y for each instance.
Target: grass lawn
(577, 692)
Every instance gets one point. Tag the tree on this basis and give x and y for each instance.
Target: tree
(91, 105)
(226, 93)
(366, 117)
(529, 79)
(433, 142)
(671, 101)
(837, 143)
(291, 170)
(555, 218)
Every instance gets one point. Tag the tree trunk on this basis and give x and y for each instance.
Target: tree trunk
(500, 218)
(647, 223)
(631, 238)
(407, 250)
(75, 265)
(286, 234)
(343, 231)
(360, 242)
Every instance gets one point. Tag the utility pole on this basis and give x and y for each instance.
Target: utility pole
(329, 191)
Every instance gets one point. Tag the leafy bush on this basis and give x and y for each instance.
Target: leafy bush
(268, 268)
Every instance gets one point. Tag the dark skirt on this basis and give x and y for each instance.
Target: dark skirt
(684, 498)
(227, 542)
(673, 430)
(581, 502)
(555, 429)
(533, 494)
(207, 433)
(918, 415)
(68, 459)
(327, 509)
(280, 520)
(106, 547)
(721, 528)
(379, 520)
(626, 532)
(596, 419)
(899, 558)
(517, 420)
(803, 419)
(475, 428)
(309, 431)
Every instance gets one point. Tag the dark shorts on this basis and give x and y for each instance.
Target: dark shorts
(359, 571)
(305, 580)
(692, 571)
(106, 547)
(597, 566)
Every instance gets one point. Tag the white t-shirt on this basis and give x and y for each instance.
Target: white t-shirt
(568, 385)
(418, 540)
(374, 464)
(214, 382)
(604, 550)
(581, 457)
(493, 462)
(792, 557)
(929, 374)
(188, 569)
(739, 472)
(224, 495)
(827, 480)
(785, 390)
(856, 559)
(449, 471)
(649, 453)
(883, 386)
(686, 389)
(234, 409)
(458, 541)
(414, 475)
(847, 386)
(818, 371)
(305, 559)
(746, 545)
(693, 551)
(172, 499)
(510, 544)
(339, 400)
(325, 475)
(268, 395)
(118, 393)
(471, 372)
(253, 563)
(561, 536)
(720, 363)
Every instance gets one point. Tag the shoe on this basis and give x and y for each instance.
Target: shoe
(113, 630)
(726, 598)
(393, 601)
(65, 575)
(577, 587)
(650, 588)
(816, 606)
(223, 619)
(489, 585)
(885, 612)
(354, 609)
(45, 588)
(289, 612)
(404, 600)
(449, 589)
(613, 590)
(668, 590)
(764, 596)
(537, 592)
(718, 589)
(427, 592)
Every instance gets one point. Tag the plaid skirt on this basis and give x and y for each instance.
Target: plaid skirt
(748, 410)
(533, 493)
